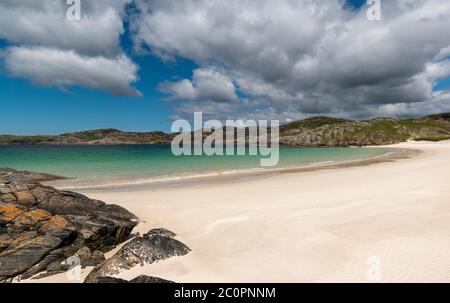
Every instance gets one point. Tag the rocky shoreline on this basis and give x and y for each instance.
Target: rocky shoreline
(39, 177)
(42, 227)
(310, 132)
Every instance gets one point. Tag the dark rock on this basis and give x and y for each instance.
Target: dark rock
(138, 280)
(5, 190)
(87, 258)
(8, 198)
(149, 280)
(25, 198)
(15, 178)
(40, 227)
(156, 245)
(28, 175)
(24, 253)
(51, 264)
(161, 232)
(98, 258)
(110, 280)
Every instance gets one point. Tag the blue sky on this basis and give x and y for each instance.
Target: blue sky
(26, 108)
(356, 3)
(30, 109)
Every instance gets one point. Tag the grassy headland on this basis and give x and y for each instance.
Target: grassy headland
(316, 131)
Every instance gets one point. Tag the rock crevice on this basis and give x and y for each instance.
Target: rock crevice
(156, 245)
(40, 227)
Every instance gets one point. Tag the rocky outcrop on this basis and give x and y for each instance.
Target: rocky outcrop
(92, 137)
(40, 227)
(113, 136)
(324, 131)
(138, 280)
(311, 132)
(39, 177)
(156, 245)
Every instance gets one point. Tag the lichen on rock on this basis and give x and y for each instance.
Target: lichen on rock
(40, 227)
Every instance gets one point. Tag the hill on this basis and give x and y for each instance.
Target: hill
(316, 131)
(324, 131)
(94, 137)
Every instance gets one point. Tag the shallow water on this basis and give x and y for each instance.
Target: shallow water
(156, 161)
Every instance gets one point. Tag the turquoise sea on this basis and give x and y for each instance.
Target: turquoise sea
(133, 162)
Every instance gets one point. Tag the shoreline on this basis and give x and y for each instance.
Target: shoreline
(229, 176)
(320, 226)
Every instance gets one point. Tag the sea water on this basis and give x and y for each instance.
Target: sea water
(132, 162)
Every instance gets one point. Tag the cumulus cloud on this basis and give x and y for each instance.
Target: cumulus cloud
(295, 58)
(207, 84)
(44, 23)
(51, 50)
(54, 67)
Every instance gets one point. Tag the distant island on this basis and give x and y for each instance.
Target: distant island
(311, 132)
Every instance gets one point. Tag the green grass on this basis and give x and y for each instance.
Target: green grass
(419, 124)
(87, 137)
(386, 128)
(326, 129)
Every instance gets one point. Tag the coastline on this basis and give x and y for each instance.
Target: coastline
(180, 180)
(326, 225)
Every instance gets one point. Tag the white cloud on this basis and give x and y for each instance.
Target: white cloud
(437, 70)
(181, 90)
(54, 67)
(207, 85)
(44, 23)
(309, 57)
(83, 53)
(439, 103)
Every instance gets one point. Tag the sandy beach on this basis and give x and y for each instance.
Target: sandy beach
(388, 222)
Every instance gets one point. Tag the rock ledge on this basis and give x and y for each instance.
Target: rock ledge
(40, 227)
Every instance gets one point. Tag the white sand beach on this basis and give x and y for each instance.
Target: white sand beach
(388, 222)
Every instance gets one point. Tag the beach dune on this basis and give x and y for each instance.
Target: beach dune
(388, 222)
